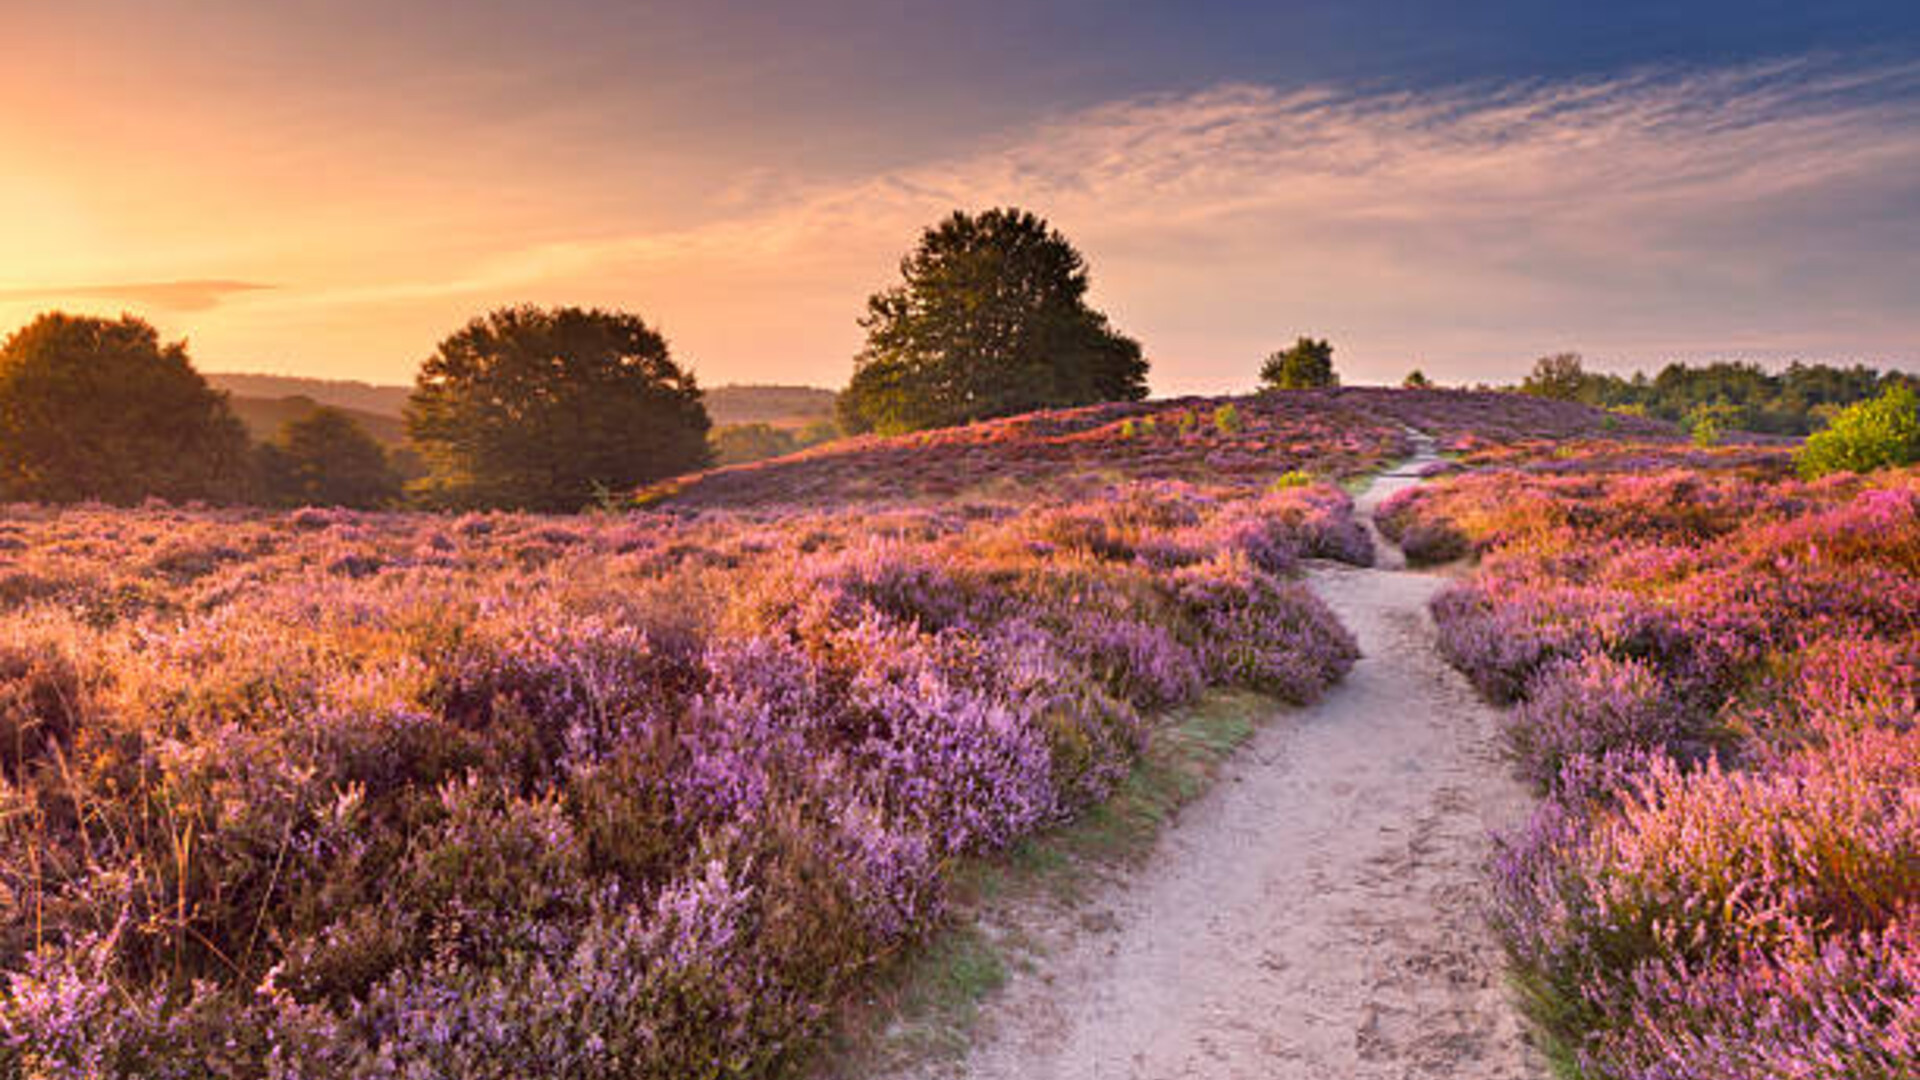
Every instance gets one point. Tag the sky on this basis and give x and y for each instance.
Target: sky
(330, 187)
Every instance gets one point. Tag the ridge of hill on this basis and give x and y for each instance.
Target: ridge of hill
(351, 394)
(1335, 433)
(734, 403)
(781, 406)
(264, 417)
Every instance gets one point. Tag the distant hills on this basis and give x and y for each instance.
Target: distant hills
(265, 416)
(781, 406)
(339, 393)
(264, 402)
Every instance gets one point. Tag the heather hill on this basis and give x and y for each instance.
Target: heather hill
(702, 771)
(1332, 433)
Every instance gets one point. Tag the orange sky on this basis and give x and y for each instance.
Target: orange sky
(297, 194)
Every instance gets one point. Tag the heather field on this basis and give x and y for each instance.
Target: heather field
(623, 794)
(1714, 668)
(649, 792)
(1220, 442)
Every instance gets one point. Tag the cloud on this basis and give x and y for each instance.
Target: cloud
(164, 295)
(1764, 210)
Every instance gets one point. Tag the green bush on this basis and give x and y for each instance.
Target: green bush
(1866, 436)
(1227, 419)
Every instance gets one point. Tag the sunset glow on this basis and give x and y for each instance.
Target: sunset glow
(329, 189)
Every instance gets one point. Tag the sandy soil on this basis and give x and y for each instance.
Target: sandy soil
(1318, 913)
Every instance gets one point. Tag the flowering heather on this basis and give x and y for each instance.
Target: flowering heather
(1717, 668)
(349, 794)
(1078, 453)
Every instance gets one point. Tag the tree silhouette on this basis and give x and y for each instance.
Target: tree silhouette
(540, 409)
(99, 409)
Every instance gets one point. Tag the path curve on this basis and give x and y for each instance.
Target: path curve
(1318, 914)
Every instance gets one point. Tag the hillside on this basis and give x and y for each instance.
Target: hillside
(265, 416)
(672, 786)
(679, 783)
(383, 400)
(782, 406)
(1076, 452)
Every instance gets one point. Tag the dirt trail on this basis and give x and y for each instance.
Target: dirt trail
(1318, 913)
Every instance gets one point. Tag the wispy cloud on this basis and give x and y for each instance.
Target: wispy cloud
(163, 295)
(1765, 210)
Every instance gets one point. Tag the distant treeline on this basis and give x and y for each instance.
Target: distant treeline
(1730, 395)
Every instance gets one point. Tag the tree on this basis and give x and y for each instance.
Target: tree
(1417, 380)
(1866, 436)
(99, 409)
(1562, 377)
(325, 459)
(540, 408)
(990, 319)
(1307, 365)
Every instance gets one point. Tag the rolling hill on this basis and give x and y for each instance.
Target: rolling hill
(264, 416)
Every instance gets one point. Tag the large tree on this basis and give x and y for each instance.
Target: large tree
(325, 459)
(545, 408)
(100, 409)
(990, 319)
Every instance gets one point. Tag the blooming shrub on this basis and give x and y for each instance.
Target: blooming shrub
(358, 794)
(1716, 668)
(1866, 436)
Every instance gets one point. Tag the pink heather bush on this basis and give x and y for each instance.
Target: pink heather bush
(352, 794)
(1717, 673)
(1589, 707)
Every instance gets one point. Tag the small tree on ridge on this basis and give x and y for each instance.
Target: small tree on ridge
(1307, 365)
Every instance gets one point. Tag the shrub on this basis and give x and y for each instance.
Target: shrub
(1591, 706)
(1714, 908)
(1716, 680)
(1866, 436)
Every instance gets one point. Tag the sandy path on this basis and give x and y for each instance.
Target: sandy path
(1317, 914)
